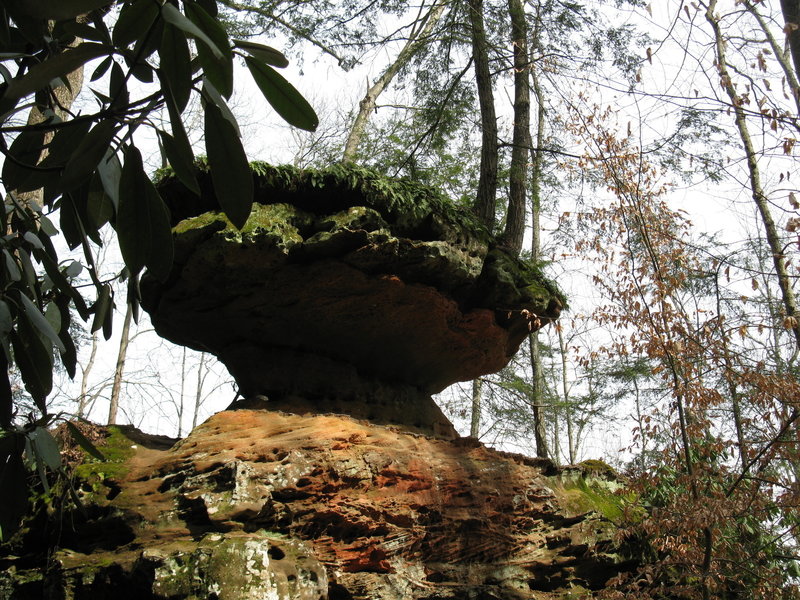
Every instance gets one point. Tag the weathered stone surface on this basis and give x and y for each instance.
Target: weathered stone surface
(342, 286)
(259, 504)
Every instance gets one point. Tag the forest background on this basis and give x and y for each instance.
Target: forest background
(641, 155)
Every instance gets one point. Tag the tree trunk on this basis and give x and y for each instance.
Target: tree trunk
(565, 391)
(537, 393)
(82, 401)
(183, 391)
(486, 197)
(198, 397)
(756, 188)
(791, 17)
(120, 368)
(475, 423)
(416, 40)
(536, 184)
(521, 141)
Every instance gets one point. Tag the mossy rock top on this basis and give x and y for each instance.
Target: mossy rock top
(372, 277)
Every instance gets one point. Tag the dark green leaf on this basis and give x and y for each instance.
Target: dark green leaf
(146, 46)
(69, 358)
(108, 324)
(181, 163)
(266, 54)
(176, 65)
(47, 227)
(38, 320)
(283, 97)
(46, 447)
(142, 71)
(174, 17)
(101, 307)
(12, 268)
(219, 70)
(97, 18)
(110, 171)
(24, 151)
(54, 67)
(61, 282)
(35, 361)
(210, 6)
(102, 68)
(27, 269)
(91, 150)
(14, 483)
(54, 10)
(230, 171)
(83, 30)
(33, 240)
(84, 443)
(210, 93)
(53, 316)
(145, 235)
(64, 142)
(118, 88)
(135, 19)
(6, 321)
(99, 207)
(70, 224)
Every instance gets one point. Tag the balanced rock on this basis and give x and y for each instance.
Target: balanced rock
(345, 292)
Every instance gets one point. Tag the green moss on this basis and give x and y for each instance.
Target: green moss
(116, 449)
(598, 467)
(584, 492)
(407, 204)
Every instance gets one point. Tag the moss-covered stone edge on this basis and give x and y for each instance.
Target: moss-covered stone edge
(338, 187)
(323, 191)
(117, 448)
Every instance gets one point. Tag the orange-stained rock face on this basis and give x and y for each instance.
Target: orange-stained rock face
(263, 504)
(388, 514)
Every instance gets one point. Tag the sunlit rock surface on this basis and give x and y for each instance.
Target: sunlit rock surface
(270, 505)
(346, 292)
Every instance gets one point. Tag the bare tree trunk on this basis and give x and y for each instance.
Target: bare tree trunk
(120, 368)
(486, 197)
(477, 392)
(565, 390)
(518, 173)
(537, 393)
(536, 183)
(182, 392)
(416, 40)
(85, 371)
(198, 398)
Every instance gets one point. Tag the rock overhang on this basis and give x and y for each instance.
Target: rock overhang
(372, 277)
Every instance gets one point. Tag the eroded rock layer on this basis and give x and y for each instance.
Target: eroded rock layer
(342, 281)
(258, 504)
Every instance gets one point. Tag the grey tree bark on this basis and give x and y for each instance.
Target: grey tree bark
(486, 196)
(518, 174)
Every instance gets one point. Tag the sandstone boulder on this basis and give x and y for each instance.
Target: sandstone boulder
(347, 292)
(261, 504)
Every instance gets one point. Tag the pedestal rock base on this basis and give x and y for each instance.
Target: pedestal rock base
(264, 504)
